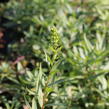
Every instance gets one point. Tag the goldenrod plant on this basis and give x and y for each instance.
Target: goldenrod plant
(62, 59)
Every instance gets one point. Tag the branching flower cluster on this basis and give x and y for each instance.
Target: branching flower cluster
(55, 39)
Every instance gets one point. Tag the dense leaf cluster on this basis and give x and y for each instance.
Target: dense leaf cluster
(61, 58)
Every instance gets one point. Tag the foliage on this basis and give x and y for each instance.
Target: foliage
(67, 43)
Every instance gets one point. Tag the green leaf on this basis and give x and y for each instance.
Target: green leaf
(34, 104)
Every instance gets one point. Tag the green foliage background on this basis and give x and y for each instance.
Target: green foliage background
(69, 40)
